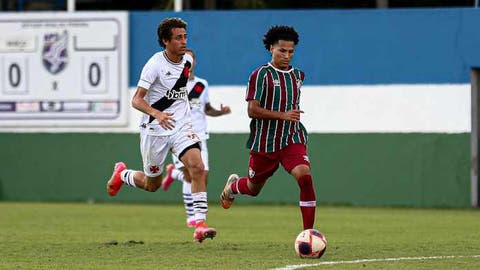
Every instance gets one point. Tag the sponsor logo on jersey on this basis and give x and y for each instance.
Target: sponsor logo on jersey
(54, 53)
(276, 83)
(306, 159)
(177, 94)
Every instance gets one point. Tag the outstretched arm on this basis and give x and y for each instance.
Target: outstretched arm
(256, 111)
(210, 111)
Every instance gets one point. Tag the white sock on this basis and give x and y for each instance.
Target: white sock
(188, 201)
(200, 206)
(178, 175)
(127, 177)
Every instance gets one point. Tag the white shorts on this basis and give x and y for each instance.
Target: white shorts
(154, 149)
(204, 152)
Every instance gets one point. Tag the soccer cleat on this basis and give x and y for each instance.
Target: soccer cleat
(191, 224)
(115, 182)
(227, 196)
(202, 232)
(168, 180)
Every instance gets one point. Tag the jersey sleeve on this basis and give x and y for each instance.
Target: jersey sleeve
(256, 85)
(148, 76)
(188, 58)
(301, 75)
(206, 93)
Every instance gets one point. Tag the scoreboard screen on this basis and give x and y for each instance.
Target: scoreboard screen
(63, 69)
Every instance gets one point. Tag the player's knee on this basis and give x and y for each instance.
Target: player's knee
(197, 169)
(300, 170)
(254, 189)
(305, 181)
(152, 186)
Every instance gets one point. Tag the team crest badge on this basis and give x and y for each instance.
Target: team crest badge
(55, 54)
(299, 83)
(154, 169)
(251, 173)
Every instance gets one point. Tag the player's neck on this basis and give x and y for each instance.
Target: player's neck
(277, 67)
(175, 58)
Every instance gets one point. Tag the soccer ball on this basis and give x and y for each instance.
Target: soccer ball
(310, 243)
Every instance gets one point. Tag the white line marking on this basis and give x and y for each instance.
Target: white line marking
(298, 266)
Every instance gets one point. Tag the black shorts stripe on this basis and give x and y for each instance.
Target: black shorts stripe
(195, 145)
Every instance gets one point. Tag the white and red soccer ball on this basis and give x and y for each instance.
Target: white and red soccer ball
(310, 243)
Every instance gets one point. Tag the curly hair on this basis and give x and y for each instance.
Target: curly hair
(164, 30)
(279, 32)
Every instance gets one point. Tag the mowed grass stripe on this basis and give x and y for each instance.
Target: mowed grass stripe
(82, 236)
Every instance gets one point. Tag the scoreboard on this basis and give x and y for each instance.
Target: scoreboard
(63, 69)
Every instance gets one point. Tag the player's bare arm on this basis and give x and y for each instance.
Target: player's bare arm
(210, 111)
(256, 111)
(164, 118)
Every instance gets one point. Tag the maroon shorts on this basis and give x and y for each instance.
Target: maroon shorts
(262, 165)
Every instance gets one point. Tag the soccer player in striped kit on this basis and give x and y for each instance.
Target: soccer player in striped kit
(166, 123)
(276, 134)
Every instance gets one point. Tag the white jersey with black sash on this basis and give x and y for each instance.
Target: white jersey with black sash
(166, 83)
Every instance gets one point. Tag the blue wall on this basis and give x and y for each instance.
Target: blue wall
(336, 47)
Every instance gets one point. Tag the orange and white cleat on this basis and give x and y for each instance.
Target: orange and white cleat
(202, 232)
(115, 182)
(227, 196)
(168, 180)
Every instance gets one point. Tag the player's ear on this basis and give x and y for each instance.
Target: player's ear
(271, 49)
(163, 41)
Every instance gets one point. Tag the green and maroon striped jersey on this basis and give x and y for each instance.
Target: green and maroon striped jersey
(276, 90)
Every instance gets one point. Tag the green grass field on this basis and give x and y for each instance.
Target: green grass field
(77, 236)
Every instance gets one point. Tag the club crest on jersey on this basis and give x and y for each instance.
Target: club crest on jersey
(54, 53)
(251, 173)
(306, 159)
(299, 83)
(276, 83)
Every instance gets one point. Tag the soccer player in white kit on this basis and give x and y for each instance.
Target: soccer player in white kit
(198, 95)
(166, 123)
